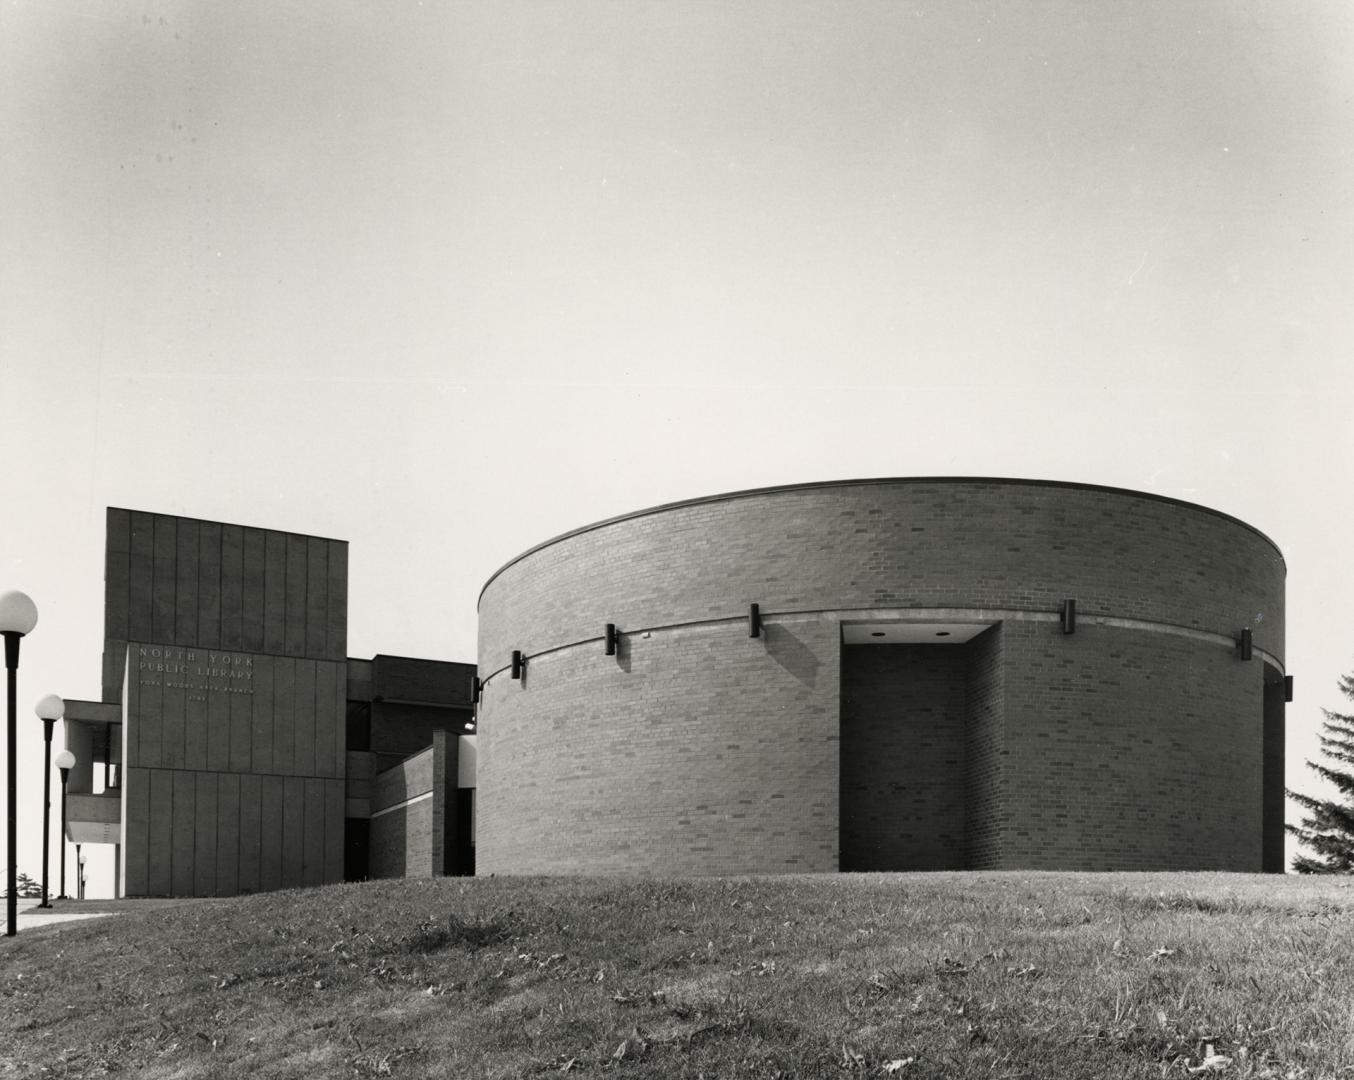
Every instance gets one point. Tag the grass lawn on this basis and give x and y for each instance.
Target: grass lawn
(938, 975)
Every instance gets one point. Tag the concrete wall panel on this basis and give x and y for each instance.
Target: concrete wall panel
(328, 717)
(136, 833)
(294, 617)
(336, 600)
(149, 724)
(241, 730)
(313, 851)
(284, 712)
(253, 568)
(232, 587)
(218, 728)
(207, 824)
(160, 842)
(185, 581)
(209, 586)
(174, 719)
(293, 831)
(251, 824)
(227, 834)
(252, 736)
(141, 562)
(333, 829)
(275, 593)
(184, 840)
(270, 836)
(162, 601)
(317, 596)
(263, 719)
(195, 729)
(304, 720)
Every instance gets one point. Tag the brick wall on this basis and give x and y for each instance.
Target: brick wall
(1135, 742)
(1275, 792)
(1129, 750)
(695, 750)
(401, 838)
(413, 813)
(984, 732)
(971, 544)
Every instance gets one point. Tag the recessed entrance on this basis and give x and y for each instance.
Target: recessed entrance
(918, 746)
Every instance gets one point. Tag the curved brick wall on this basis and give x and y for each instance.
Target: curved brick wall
(699, 749)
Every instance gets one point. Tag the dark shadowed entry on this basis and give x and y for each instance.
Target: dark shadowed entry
(915, 762)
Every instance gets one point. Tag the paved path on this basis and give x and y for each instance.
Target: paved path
(36, 916)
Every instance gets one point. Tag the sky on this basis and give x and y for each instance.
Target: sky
(447, 279)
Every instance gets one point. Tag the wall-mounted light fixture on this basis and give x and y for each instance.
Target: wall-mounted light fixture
(517, 660)
(610, 637)
(1245, 643)
(754, 621)
(1068, 615)
(1288, 688)
(476, 688)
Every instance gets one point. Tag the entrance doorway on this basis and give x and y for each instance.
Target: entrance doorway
(918, 746)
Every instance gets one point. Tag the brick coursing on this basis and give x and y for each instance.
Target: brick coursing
(932, 544)
(1129, 750)
(401, 840)
(984, 739)
(699, 749)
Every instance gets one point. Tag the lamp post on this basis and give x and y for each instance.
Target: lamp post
(18, 616)
(50, 709)
(65, 762)
(80, 857)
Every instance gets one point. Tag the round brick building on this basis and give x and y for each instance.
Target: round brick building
(896, 674)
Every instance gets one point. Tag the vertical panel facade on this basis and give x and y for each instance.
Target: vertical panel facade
(232, 642)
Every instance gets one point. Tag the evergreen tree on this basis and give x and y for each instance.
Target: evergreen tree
(1328, 828)
(24, 887)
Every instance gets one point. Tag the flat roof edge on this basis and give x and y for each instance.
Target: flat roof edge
(232, 524)
(813, 485)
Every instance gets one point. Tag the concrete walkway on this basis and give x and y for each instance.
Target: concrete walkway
(36, 916)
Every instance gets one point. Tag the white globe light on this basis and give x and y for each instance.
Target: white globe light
(50, 708)
(65, 760)
(18, 614)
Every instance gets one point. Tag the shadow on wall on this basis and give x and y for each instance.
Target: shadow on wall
(791, 653)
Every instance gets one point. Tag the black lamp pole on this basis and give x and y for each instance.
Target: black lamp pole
(12, 639)
(46, 803)
(18, 616)
(65, 775)
(49, 709)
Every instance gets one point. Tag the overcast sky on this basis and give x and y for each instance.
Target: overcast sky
(445, 280)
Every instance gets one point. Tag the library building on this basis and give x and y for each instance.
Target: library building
(900, 674)
(236, 747)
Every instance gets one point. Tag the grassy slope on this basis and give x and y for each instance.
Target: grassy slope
(968, 975)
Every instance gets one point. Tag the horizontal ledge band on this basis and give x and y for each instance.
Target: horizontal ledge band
(402, 805)
(894, 615)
